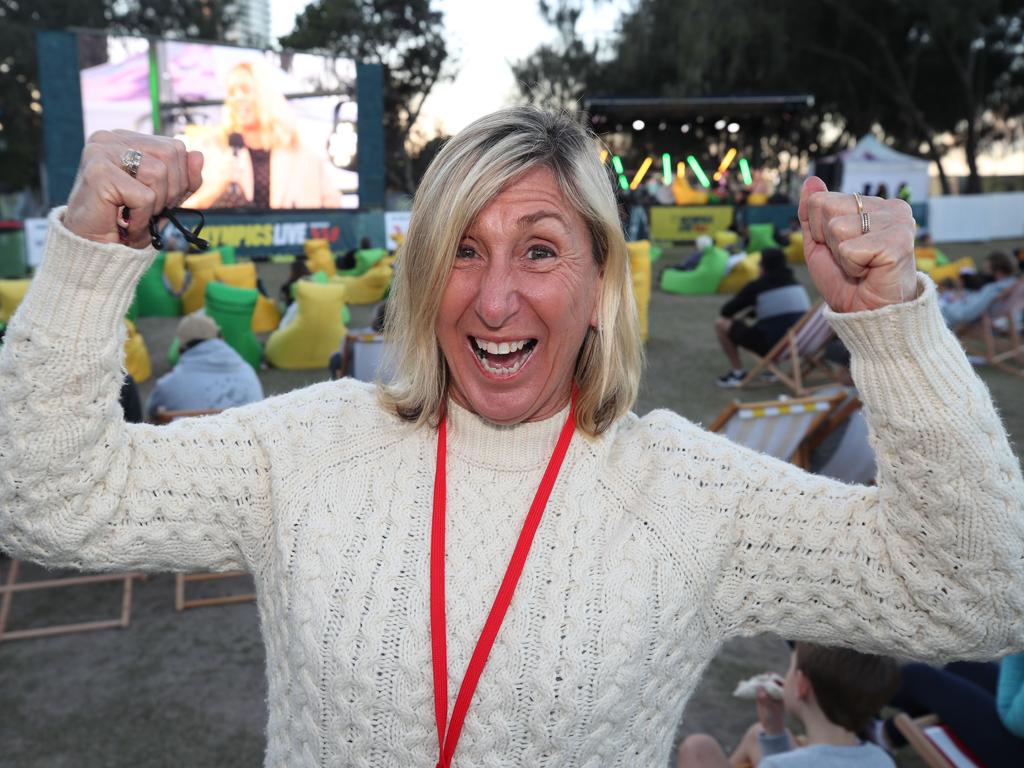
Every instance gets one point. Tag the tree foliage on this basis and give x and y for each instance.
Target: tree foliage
(929, 73)
(20, 109)
(406, 37)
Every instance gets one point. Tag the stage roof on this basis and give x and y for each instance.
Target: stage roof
(611, 110)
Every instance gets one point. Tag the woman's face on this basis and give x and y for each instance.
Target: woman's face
(241, 99)
(521, 296)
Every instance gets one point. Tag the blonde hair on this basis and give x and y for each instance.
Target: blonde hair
(467, 173)
(277, 125)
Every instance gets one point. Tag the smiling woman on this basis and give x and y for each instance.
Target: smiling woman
(498, 516)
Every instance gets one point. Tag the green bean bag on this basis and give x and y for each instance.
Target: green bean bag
(152, 299)
(232, 308)
(704, 279)
(227, 253)
(761, 236)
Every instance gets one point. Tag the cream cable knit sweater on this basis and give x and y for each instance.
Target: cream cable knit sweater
(660, 540)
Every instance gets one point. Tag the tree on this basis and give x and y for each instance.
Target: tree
(406, 37)
(926, 72)
(20, 105)
(556, 75)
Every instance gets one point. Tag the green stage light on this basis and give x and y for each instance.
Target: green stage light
(623, 182)
(745, 171)
(666, 167)
(617, 164)
(698, 171)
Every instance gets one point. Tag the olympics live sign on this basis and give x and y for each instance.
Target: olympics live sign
(688, 222)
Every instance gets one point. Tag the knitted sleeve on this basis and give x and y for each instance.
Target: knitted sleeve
(930, 563)
(78, 486)
(1010, 693)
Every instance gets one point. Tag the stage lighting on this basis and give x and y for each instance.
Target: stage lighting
(685, 128)
(745, 171)
(604, 156)
(698, 171)
(666, 167)
(719, 125)
(733, 127)
(726, 162)
(638, 125)
(644, 167)
(617, 164)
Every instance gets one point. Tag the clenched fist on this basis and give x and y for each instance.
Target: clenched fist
(168, 173)
(854, 270)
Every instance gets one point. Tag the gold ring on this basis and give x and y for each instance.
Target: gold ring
(860, 203)
(865, 223)
(130, 162)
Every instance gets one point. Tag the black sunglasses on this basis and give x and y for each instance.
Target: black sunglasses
(190, 235)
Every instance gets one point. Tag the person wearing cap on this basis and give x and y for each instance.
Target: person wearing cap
(776, 299)
(209, 374)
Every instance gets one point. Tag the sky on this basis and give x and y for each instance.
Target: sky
(484, 37)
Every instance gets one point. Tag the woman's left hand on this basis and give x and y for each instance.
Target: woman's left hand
(852, 269)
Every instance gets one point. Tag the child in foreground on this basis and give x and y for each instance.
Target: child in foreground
(834, 693)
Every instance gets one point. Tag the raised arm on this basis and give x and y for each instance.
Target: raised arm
(931, 561)
(79, 486)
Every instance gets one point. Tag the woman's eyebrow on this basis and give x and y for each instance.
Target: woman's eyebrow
(533, 218)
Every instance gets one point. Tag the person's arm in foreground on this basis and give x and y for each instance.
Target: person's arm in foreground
(930, 563)
(1010, 693)
(79, 486)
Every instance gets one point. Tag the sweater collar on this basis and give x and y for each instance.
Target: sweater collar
(516, 447)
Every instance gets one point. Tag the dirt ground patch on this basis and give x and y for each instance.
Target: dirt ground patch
(188, 689)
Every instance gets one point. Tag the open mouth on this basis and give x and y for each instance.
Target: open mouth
(502, 358)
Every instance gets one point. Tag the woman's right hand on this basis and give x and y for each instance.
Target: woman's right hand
(168, 173)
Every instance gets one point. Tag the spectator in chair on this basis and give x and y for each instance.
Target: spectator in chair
(775, 299)
(378, 519)
(999, 274)
(209, 374)
(833, 693)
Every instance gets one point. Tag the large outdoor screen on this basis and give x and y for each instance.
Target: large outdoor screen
(277, 130)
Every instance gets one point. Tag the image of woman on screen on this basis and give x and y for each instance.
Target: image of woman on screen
(256, 158)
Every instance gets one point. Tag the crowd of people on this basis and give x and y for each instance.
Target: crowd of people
(517, 347)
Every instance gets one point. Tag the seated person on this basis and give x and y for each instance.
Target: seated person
(690, 262)
(347, 260)
(833, 693)
(1000, 273)
(778, 301)
(339, 363)
(131, 403)
(209, 374)
(981, 702)
(299, 270)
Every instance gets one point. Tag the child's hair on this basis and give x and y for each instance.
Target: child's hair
(850, 687)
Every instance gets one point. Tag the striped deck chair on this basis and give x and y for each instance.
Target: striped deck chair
(996, 335)
(369, 357)
(10, 586)
(799, 351)
(182, 580)
(934, 742)
(853, 460)
(777, 427)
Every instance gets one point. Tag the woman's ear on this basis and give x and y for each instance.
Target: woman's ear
(803, 686)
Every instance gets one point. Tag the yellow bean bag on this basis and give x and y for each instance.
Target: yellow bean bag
(952, 270)
(640, 270)
(175, 274)
(315, 333)
(687, 195)
(368, 288)
(795, 250)
(267, 316)
(726, 237)
(201, 267)
(757, 198)
(136, 355)
(319, 257)
(741, 274)
(11, 294)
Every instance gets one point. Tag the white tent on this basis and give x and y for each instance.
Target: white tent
(872, 163)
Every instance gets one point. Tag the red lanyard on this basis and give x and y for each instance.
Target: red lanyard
(438, 630)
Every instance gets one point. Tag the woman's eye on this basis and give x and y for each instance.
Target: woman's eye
(538, 252)
(465, 252)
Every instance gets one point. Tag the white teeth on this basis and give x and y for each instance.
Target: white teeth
(501, 370)
(503, 348)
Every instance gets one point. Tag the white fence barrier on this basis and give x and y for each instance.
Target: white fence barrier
(976, 217)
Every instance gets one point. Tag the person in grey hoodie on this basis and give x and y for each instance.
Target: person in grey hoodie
(209, 374)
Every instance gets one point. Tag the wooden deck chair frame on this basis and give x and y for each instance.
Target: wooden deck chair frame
(981, 337)
(800, 366)
(913, 730)
(801, 455)
(10, 587)
(181, 580)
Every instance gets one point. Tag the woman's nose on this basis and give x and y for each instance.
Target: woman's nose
(497, 299)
